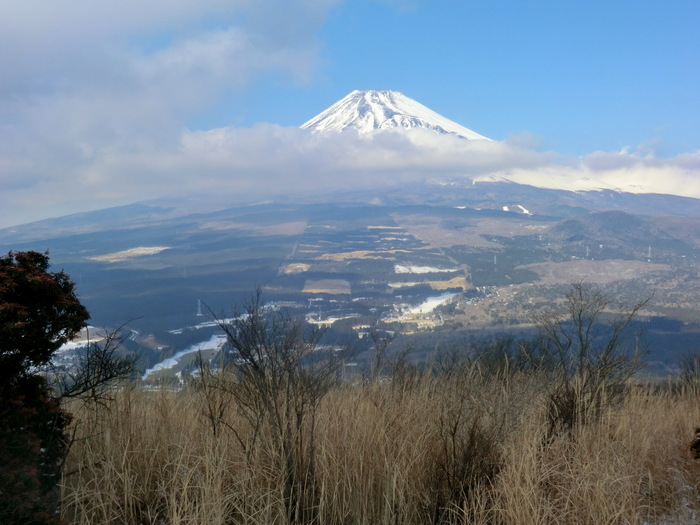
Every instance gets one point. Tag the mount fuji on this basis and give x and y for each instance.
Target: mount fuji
(368, 111)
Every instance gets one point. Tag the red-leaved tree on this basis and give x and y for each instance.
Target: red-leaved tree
(39, 312)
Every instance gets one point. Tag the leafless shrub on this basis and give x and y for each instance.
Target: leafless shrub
(99, 367)
(466, 457)
(276, 375)
(689, 369)
(590, 349)
(378, 354)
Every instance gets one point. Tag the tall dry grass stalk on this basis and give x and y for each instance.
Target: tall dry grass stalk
(458, 448)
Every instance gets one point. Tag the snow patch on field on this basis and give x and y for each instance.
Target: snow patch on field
(431, 303)
(139, 251)
(520, 206)
(398, 268)
(328, 321)
(87, 335)
(214, 343)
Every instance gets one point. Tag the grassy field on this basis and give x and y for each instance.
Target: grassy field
(410, 448)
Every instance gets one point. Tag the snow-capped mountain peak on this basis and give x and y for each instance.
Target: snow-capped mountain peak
(367, 111)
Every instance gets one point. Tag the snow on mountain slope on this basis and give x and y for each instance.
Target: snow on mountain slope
(367, 111)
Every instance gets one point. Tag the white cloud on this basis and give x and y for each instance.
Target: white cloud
(268, 160)
(87, 87)
(288, 159)
(72, 63)
(616, 171)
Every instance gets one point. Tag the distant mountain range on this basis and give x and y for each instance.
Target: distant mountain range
(368, 111)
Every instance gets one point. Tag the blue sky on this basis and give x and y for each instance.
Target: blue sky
(581, 76)
(110, 103)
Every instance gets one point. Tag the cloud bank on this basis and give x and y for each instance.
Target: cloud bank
(266, 161)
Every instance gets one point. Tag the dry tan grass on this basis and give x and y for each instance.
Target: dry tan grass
(605, 271)
(435, 232)
(332, 286)
(283, 228)
(455, 282)
(361, 254)
(455, 448)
